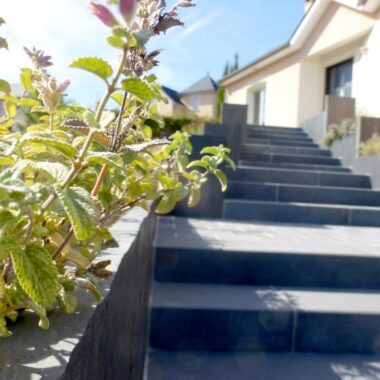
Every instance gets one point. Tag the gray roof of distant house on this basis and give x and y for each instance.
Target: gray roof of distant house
(205, 84)
(172, 94)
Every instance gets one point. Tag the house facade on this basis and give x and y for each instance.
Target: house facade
(334, 51)
(201, 97)
(174, 106)
(198, 99)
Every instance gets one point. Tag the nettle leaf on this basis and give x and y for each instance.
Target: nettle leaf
(55, 170)
(67, 301)
(194, 198)
(136, 148)
(26, 79)
(41, 312)
(137, 87)
(6, 160)
(222, 179)
(36, 273)
(5, 86)
(80, 208)
(94, 65)
(107, 158)
(166, 204)
(49, 142)
(27, 102)
(4, 332)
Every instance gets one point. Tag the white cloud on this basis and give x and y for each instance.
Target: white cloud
(195, 26)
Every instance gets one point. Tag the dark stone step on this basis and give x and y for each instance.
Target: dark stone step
(303, 194)
(208, 317)
(282, 142)
(290, 158)
(175, 365)
(304, 167)
(289, 176)
(279, 212)
(269, 149)
(272, 128)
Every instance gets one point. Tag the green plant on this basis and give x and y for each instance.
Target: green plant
(337, 131)
(370, 147)
(66, 178)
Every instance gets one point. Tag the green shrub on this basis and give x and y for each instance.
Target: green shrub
(337, 131)
(370, 147)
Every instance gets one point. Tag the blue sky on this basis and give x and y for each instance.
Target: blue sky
(216, 29)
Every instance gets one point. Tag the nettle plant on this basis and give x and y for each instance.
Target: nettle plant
(67, 178)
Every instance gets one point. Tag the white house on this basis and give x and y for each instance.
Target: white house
(335, 50)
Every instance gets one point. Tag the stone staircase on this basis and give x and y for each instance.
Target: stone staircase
(286, 287)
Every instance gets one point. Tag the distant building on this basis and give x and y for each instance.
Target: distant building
(334, 52)
(174, 107)
(201, 97)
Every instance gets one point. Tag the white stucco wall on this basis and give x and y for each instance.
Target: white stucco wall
(295, 84)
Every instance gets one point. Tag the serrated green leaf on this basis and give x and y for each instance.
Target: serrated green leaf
(166, 204)
(5, 87)
(203, 164)
(194, 198)
(80, 208)
(137, 87)
(26, 79)
(41, 312)
(47, 140)
(107, 118)
(5, 123)
(115, 42)
(6, 160)
(55, 170)
(10, 109)
(108, 158)
(36, 273)
(39, 109)
(67, 301)
(94, 65)
(210, 150)
(118, 98)
(4, 332)
(222, 179)
(27, 102)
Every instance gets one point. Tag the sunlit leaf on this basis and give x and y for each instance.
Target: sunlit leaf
(94, 65)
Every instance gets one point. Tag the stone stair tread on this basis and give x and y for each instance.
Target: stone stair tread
(294, 185)
(237, 236)
(166, 295)
(294, 166)
(301, 204)
(180, 365)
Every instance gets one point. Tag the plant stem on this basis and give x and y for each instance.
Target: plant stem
(63, 244)
(117, 130)
(99, 180)
(86, 146)
(111, 87)
(51, 120)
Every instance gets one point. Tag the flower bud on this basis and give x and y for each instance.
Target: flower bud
(127, 9)
(63, 86)
(103, 14)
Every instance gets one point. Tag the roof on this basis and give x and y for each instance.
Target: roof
(172, 94)
(295, 42)
(205, 84)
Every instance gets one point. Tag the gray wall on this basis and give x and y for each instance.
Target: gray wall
(346, 149)
(315, 127)
(114, 343)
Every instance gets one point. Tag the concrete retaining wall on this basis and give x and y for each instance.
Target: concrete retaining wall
(114, 343)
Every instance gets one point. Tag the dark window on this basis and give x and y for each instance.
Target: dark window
(339, 79)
